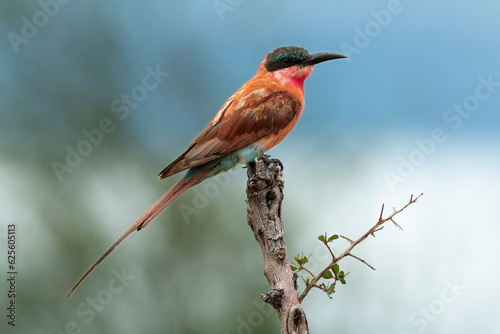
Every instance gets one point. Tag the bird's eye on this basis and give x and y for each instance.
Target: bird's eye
(286, 60)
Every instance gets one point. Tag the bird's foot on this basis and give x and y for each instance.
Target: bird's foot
(268, 160)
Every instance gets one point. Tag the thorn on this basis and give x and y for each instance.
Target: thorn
(381, 213)
(347, 239)
(376, 230)
(396, 224)
(361, 260)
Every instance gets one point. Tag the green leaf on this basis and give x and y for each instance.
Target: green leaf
(342, 280)
(331, 289)
(293, 268)
(333, 237)
(321, 238)
(336, 268)
(301, 260)
(341, 274)
(327, 275)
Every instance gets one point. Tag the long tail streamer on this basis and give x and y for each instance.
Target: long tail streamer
(177, 189)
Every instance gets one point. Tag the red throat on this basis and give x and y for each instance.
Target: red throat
(293, 76)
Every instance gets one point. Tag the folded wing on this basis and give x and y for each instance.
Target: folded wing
(240, 122)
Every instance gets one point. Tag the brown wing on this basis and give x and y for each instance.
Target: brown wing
(240, 122)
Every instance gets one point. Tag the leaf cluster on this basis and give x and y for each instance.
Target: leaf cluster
(332, 272)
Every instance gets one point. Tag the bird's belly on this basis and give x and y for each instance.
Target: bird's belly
(242, 156)
(223, 164)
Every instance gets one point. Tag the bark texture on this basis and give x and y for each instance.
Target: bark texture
(264, 197)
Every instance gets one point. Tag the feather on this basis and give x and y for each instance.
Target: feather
(236, 126)
(177, 189)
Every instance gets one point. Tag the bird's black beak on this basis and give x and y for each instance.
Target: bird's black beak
(317, 58)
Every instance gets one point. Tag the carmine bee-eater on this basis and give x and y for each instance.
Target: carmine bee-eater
(255, 119)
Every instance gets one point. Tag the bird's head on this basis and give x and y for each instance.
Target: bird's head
(291, 65)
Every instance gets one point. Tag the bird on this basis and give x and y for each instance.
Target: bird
(253, 120)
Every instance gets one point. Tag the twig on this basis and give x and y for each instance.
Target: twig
(347, 252)
(360, 259)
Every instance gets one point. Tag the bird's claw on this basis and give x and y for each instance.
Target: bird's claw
(268, 160)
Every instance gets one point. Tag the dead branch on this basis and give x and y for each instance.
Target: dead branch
(264, 197)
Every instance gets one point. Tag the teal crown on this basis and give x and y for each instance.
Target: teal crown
(285, 56)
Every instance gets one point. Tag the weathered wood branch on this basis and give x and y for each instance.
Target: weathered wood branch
(264, 197)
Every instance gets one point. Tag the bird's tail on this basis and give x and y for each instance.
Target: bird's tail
(177, 189)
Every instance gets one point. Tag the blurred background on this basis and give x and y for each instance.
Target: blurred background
(96, 97)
